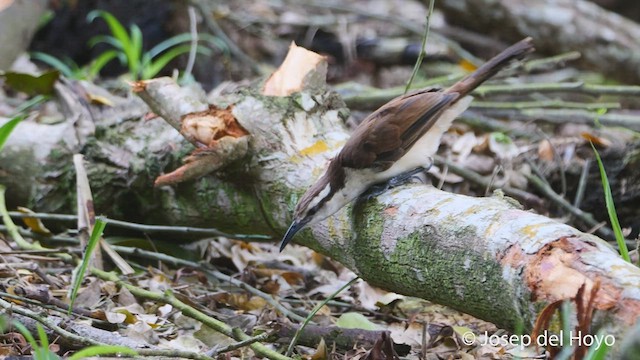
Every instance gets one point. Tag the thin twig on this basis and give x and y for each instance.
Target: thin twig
(81, 340)
(582, 183)
(402, 23)
(482, 122)
(14, 232)
(216, 274)
(583, 216)
(193, 30)
(563, 116)
(536, 170)
(315, 311)
(178, 262)
(556, 103)
(259, 338)
(372, 97)
(150, 229)
(59, 307)
(86, 341)
(213, 26)
(169, 298)
(560, 164)
(423, 46)
(550, 62)
(574, 87)
(33, 235)
(523, 196)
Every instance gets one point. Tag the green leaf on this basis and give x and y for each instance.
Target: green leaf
(40, 351)
(134, 52)
(156, 66)
(30, 84)
(216, 42)
(99, 62)
(352, 320)
(31, 103)
(26, 333)
(169, 43)
(105, 39)
(501, 138)
(54, 62)
(599, 113)
(44, 341)
(118, 31)
(611, 208)
(8, 127)
(598, 353)
(94, 240)
(97, 350)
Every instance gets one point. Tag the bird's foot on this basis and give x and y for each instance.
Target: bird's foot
(402, 179)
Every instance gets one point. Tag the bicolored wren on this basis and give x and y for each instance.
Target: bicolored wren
(399, 137)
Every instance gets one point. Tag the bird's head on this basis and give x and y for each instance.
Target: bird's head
(322, 200)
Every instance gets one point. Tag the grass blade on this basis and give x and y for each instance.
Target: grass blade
(54, 62)
(598, 353)
(134, 52)
(611, 208)
(99, 62)
(313, 313)
(94, 240)
(93, 351)
(154, 67)
(118, 31)
(106, 39)
(8, 127)
(169, 43)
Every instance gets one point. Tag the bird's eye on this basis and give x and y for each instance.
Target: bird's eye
(312, 211)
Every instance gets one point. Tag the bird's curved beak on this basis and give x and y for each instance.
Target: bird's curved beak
(293, 229)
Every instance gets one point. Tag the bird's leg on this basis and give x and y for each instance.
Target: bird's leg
(395, 181)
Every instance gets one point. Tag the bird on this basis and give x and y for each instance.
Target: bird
(398, 138)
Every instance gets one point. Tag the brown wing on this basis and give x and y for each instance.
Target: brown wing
(389, 132)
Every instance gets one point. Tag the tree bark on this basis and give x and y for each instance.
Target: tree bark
(484, 256)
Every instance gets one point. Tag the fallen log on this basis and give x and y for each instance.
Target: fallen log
(484, 256)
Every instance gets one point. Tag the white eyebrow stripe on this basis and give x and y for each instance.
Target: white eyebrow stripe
(319, 197)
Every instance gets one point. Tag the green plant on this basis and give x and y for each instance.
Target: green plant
(71, 69)
(598, 352)
(97, 350)
(8, 127)
(128, 47)
(78, 274)
(611, 208)
(40, 351)
(314, 312)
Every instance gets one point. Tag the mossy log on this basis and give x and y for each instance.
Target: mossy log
(484, 256)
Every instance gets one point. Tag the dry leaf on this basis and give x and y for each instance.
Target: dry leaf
(545, 150)
(322, 353)
(33, 224)
(598, 141)
(464, 145)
